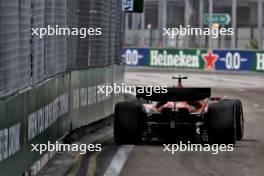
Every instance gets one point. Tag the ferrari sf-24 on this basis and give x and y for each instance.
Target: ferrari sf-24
(180, 114)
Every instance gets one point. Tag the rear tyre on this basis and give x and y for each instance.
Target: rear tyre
(221, 123)
(128, 123)
(239, 117)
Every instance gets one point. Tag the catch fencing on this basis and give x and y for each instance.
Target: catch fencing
(26, 60)
(58, 75)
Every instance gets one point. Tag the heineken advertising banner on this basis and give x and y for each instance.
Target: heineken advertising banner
(205, 59)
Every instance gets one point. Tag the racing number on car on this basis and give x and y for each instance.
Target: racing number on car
(131, 57)
(233, 61)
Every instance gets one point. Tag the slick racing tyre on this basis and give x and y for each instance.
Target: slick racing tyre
(221, 123)
(128, 123)
(238, 117)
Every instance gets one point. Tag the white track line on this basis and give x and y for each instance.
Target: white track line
(119, 160)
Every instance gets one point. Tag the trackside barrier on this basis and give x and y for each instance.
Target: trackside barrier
(51, 110)
(203, 59)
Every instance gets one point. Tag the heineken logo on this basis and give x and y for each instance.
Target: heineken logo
(179, 59)
(260, 61)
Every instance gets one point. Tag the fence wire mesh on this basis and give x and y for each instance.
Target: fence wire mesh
(14, 45)
(26, 60)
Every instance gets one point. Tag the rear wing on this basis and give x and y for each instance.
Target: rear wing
(175, 94)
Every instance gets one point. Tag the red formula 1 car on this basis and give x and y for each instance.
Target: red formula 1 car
(180, 113)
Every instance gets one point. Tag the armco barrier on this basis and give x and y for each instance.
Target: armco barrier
(49, 111)
(204, 59)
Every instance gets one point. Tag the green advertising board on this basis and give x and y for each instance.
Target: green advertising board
(51, 110)
(220, 18)
(258, 62)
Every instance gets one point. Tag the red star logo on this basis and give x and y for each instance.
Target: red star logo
(210, 60)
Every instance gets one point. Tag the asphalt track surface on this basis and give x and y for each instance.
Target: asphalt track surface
(247, 159)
